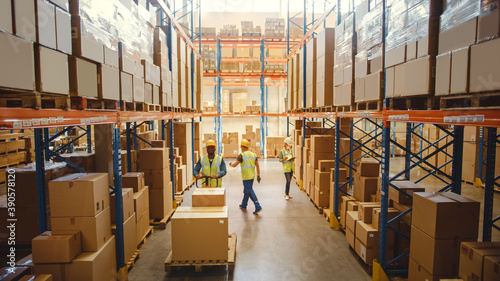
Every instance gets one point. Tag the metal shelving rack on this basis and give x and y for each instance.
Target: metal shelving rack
(40, 120)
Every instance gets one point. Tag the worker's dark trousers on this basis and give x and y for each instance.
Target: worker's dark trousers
(288, 177)
(249, 193)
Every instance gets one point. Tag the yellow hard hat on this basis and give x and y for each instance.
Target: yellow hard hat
(210, 143)
(245, 143)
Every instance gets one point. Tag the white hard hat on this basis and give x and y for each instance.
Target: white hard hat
(289, 141)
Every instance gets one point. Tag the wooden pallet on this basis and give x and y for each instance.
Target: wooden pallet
(82, 103)
(369, 105)
(344, 108)
(146, 236)
(326, 214)
(131, 262)
(327, 109)
(34, 100)
(414, 103)
(152, 107)
(198, 265)
(131, 106)
(320, 209)
(161, 223)
(471, 101)
(179, 199)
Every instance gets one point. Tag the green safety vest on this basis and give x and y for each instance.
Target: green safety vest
(248, 165)
(212, 169)
(288, 166)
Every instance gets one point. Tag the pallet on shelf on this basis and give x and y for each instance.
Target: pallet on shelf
(131, 262)
(199, 264)
(368, 105)
(131, 106)
(343, 108)
(161, 223)
(471, 101)
(35, 100)
(83, 103)
(414, 103)
(152, 107)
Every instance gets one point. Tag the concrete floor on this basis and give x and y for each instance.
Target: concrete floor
(288, 240)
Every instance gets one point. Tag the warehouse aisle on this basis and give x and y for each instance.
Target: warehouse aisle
(287, 241)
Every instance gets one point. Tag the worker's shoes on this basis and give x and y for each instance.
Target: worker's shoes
(257, 211)
(287, 197)
(243, 209)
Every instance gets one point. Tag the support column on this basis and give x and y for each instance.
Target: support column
(103, 135)
(458, 148)
(489, 184)
(40, 181)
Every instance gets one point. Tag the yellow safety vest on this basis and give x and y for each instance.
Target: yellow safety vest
(288, 166)
(248, 165)
(212, 169)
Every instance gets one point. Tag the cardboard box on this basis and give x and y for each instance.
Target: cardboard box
(111, 58)
(48, 248)
(472, 257)
(411, 51)
(96, 231)
(181, 178)
(141, 201)
(416, 272)
(439, 257)
(83, 79)
(160, 202)
(395, 56)
(133, 180)
(407, 187)
(485, 63)
(153, 158)
(322, 197)
(322, 144)
(38, 277)
(54, 269)
(364, 187)
(138, 89)
(389, 75)
(83, 45)
(187, 244)
(417, 77)
(316, 157)
(459, 83)
(443, 74)
(322, 180)
(6, 17)
(209, 197)
(126, 87)
(98, 265)
(350, 237)
(462, 35)
(52, 71)
(445, 215)
(373, 87)
(359, 89)
(128, 204)
(326, 165)
(391, 213)
(109, 87)
(129, 236)
(491, 265)
(157, 178)
(365, 211)
(79, 195)
(369, 168)
(352, 205)
(367, 241)
(399, 78)
(350, 221)
(18, 52)
(142, 226)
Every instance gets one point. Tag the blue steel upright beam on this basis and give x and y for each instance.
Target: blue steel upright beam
(409, 135)
(267, 111)
(336, 194)
(129, 152)
(192, 84)
(46, 136)
(287, 70)
(263, 131)
(40, 181)
(488, 222)
(458, 148)
(120, 254)
(481, 154)
(89, 139)
(172, 160)
(386, 131)
(218, 99)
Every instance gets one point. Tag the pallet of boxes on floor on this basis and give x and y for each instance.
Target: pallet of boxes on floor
(208, 215)
(254, 138)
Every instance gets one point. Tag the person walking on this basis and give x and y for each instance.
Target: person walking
(249, 165)
(211, 166)
(286, 158)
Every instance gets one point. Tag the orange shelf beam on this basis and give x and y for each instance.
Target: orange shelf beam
(240, 75)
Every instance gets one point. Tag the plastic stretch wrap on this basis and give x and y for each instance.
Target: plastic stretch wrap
(31, 167)
(408, 21)
(110, 22)
(345, 44)
(459, 11)
(370, 31)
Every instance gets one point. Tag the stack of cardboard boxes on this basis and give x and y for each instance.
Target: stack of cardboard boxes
(254, 139)
(311, 73)
(345, 48)
(209, 63)
(161, 60)
(274, 27)
(440, 223)
(274, 145)
(229, 30)
(325, 59)
(230, 140)
(206, 31)
(317, 182)
(81, 230)
(479, 261)
(208, 215)
(368, 60)
(141, 203)
(240, 101)
(254, 108)
(155, 165)
(247, 29)
(129, 222)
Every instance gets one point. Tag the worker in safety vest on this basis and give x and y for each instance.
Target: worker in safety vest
(286, 158)
(249, 164)
(213, 166)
